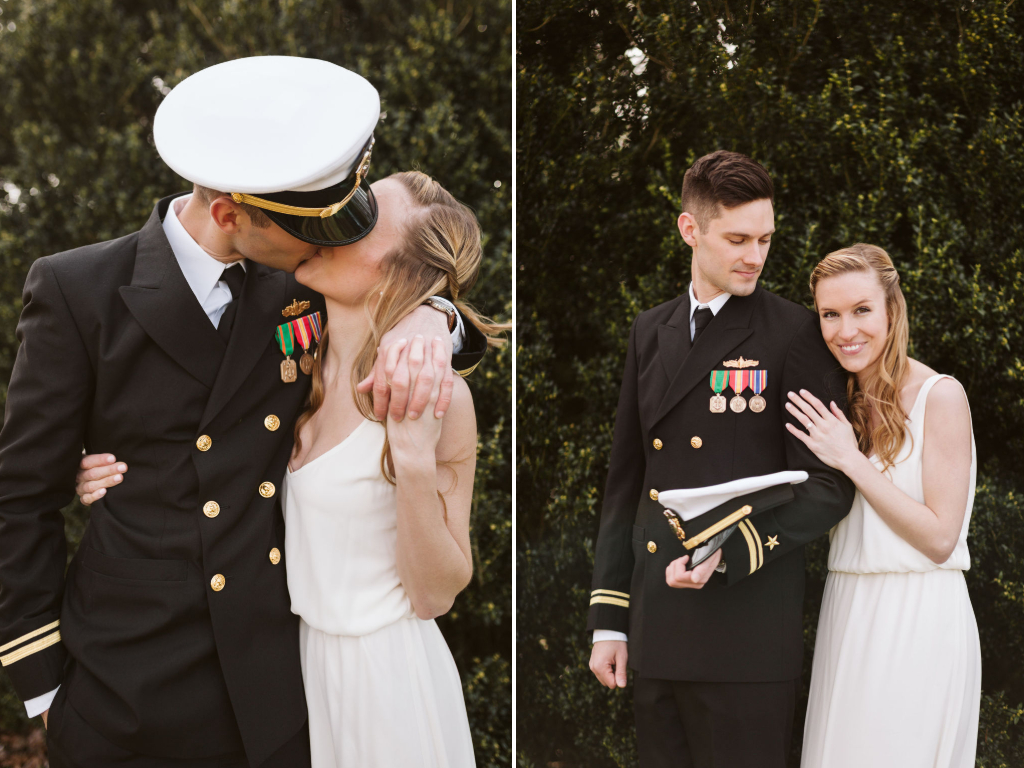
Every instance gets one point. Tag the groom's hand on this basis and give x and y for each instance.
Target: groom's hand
(96, 473)
(677, 576)
(608, 662)
(397, 387)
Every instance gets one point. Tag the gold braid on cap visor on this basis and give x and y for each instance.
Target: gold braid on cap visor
(323, 213)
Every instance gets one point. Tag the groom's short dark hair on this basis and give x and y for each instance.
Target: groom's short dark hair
(726, 179)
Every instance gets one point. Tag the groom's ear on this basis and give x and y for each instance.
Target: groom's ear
(688, 228)
(227, 215)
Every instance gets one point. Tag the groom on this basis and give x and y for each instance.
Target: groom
(170, 640)
(716, 650)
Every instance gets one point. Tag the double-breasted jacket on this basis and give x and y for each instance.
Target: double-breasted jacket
(745, 625)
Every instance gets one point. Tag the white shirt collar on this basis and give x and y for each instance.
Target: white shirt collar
(201, 270)
(715, 305)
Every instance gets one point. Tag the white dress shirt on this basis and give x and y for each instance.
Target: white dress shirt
(203, 274)
(715, 305)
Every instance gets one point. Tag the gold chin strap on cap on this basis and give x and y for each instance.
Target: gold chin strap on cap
(323, 213)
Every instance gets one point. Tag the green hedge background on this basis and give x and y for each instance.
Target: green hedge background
(79, 84)
(899, 123)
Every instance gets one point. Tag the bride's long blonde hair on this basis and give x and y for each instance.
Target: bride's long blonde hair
(439, 255)
(883, 394)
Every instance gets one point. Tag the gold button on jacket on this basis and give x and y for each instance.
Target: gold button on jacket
(654, 494)
(272, 422)
(204, 442)
(652, 547)
(267, 490)
(696, 442)
(658, 444)
(211, 509)
(275, 555)
(218, 582)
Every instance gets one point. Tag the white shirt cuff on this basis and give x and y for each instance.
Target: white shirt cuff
(35, 707)
(609, 634)
(458, 335)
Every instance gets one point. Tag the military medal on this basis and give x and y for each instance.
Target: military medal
(307, 329)
(286, 342)
(738, 382)
(758, 381)
(718, 380)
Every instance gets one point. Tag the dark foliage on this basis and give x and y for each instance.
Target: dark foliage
(898, 123)
(79, 84)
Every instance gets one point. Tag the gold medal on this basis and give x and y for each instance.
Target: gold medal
(288, 372)
(758, 381)
(738, 381)
(306, 363)
(718, 379)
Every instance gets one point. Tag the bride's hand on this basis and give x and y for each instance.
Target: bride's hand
(829, 433)
(413, 439)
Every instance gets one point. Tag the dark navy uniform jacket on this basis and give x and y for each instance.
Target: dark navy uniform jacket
(744, 625)
(172, 631)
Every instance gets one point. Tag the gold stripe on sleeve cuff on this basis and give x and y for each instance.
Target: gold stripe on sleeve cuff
(30, 635)
(28, 650)
(465, 372)
(610, 592)
(609, 601)
(757, 540)
(750, 546)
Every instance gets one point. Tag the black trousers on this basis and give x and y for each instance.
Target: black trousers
(713, 725)
(73, 743)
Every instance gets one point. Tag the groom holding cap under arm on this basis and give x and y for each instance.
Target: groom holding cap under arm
(170, 641)
(716, 647)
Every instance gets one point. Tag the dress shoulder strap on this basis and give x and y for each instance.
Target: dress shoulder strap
(916, 415)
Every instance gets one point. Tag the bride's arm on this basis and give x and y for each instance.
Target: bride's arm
(432, 455)
(933, 528)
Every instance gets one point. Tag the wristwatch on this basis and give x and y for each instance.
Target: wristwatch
(720, 568)
(443, 305)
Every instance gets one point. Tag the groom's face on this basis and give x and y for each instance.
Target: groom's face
(730, 255)
(273, 247)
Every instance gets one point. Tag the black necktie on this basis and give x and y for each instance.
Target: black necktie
(234, 276)
(701, 318)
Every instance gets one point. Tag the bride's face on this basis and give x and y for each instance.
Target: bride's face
(346, 273)
(854, 322)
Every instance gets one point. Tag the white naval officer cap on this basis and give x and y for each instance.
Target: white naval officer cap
(691, 503)
(289, 135)
(703, 518)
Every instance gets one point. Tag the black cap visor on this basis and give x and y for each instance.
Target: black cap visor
(353, 222)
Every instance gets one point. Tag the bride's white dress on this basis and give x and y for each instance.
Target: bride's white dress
(896, 680)
(381, 685)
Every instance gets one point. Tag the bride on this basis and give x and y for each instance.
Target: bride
(896, 678)
(377, 514)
